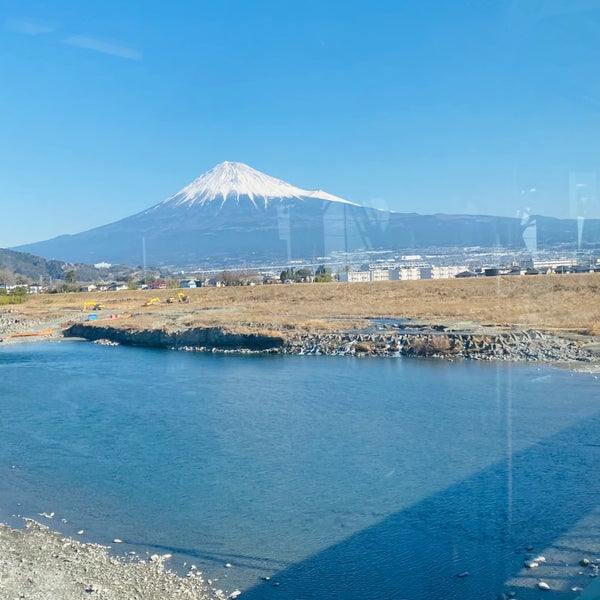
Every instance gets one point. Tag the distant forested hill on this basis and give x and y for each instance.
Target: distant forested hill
(34, 268)
(30, 266)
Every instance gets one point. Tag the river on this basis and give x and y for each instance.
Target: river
(336, 477)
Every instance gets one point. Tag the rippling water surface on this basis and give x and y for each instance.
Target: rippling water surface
(337, 477)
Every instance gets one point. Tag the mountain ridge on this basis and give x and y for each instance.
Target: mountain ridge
(233, 213)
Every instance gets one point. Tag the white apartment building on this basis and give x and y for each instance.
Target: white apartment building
(402, 273)
(355, 276)
(447, 272)
(405, 273)
(543, 265)
(380, 274)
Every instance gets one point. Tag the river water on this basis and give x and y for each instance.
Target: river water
(337, 477)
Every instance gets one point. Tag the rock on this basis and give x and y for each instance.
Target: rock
(117, 541)
(542, 585)
(463, 574)
(234, 594)
(228, 565)
(584, 562)
(531, 564)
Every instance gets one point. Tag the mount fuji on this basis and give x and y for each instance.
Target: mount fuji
(235, 182)
(233, 214)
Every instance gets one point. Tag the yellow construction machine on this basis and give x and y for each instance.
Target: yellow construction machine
(92, 306)
(152, 301)
(181, 297)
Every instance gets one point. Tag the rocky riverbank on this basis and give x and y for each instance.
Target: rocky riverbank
(15, 327)
(411, 339)
(39, 564)
(161, 337)
(516, 345)
(392, 340)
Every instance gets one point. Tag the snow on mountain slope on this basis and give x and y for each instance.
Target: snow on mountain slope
(232, 180)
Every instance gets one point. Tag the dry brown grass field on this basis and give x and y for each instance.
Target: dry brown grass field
(568, 303)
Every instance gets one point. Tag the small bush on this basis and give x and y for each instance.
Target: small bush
(363, 348)
(593, 329)
(430, 345)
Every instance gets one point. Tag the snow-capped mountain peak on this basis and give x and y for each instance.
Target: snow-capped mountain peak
(232, 180)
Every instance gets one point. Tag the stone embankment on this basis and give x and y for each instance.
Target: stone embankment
(492, 344)
(512, 346)
(205, 338)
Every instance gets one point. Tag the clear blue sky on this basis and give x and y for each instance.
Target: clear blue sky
(468, 106)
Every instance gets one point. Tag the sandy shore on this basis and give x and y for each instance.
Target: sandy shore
(39, 564)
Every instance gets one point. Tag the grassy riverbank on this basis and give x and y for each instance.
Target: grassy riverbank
(556, 303)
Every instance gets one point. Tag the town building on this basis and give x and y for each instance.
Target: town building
(355, 276)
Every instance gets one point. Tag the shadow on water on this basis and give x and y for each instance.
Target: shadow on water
(481, 525)
(241, 560)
